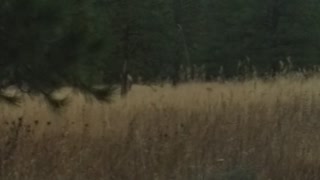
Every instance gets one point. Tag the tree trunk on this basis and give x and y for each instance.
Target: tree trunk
(124, 79)
(124, 76)
(185, 46)
(182, 42)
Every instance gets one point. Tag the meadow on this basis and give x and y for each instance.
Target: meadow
(251, 130)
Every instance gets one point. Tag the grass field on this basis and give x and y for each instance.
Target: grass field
(253, 130)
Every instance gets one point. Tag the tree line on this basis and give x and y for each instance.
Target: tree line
(46, 45)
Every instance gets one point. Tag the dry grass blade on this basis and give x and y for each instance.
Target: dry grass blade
(249, 130)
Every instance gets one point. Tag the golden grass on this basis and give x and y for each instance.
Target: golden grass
(198, 131)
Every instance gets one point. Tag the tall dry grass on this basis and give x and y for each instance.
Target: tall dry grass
(264, 130)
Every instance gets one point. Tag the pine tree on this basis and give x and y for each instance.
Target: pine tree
(46, 45)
